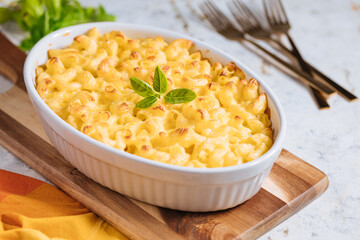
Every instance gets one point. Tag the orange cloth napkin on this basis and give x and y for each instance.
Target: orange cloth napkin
(34, 210)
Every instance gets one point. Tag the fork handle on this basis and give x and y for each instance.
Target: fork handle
(304, 76)
(297, 54)
(319, 98)
(342, 91)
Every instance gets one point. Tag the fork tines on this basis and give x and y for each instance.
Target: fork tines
(219, 20)
(245, 15)
(275, 12)
(215, 17)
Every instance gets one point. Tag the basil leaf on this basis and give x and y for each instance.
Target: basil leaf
(160, 81)
(141, 87)
(180, 95)
(5, 14)
(146, 102)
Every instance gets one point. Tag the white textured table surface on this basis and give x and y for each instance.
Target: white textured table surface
(328, 35)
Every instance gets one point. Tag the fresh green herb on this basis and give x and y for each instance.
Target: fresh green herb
(141, 87)
(160, 82)
(41, 17)
(180, 95)
(147, 102)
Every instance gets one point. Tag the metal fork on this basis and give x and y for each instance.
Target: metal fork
(223, 25)
(251, 25)
(279, 23)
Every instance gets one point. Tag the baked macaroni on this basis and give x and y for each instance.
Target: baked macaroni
(87, 85)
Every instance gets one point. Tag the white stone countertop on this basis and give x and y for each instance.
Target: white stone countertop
(328, 34)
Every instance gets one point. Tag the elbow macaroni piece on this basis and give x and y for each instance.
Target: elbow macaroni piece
(87, 85)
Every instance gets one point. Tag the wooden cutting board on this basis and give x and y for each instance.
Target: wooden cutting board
(291, 185)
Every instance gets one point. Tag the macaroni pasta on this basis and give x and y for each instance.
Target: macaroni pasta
(87, 85)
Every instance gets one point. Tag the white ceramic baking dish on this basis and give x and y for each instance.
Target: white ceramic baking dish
(175, 187)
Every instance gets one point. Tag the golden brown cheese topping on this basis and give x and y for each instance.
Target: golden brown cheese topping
(87, 85)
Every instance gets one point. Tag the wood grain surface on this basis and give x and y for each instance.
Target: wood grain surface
(291, 185)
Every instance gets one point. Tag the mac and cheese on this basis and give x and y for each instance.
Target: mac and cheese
(87, 85)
